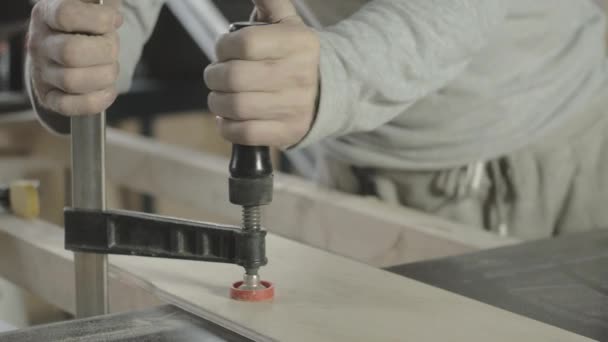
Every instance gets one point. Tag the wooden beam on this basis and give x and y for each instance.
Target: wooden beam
(32, 257)
(320, 297)
(360, 228)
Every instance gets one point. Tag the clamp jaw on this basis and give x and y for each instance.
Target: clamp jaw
(132, 233)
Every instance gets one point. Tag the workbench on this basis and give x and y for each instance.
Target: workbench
(562, 282)
(320, 296)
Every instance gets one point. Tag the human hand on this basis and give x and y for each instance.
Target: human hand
(266, 81)
(73, 46)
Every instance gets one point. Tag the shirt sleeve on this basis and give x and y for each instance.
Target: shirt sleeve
(391, 53)
(140, 18)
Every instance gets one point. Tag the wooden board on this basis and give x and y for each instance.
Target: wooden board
(32, 257)
(360, 228)
(320, 297)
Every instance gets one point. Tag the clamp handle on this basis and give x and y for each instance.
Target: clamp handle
(250, 166)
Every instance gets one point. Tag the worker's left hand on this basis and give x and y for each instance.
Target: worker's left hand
(266, 81)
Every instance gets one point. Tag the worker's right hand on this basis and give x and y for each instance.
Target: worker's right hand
(74, 48)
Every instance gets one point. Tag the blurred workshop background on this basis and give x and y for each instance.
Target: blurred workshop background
(166, 102)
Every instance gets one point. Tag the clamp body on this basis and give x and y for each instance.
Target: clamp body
(133, 233)
(92, 229)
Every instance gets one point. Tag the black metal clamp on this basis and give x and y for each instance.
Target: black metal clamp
(133, 233)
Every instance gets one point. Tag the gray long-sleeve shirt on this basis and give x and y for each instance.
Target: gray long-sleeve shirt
(427, 84)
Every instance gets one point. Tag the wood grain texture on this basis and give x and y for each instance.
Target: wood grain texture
(320, 297)
(360, 228)
(32, 257)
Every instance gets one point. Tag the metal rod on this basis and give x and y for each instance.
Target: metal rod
(88, 192)
(203, 20)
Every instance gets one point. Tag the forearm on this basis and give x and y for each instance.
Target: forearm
(379, 62)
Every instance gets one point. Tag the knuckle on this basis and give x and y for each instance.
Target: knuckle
(63, 105)
(108, 75)
(38, 90)
(68, 53)
(117, 45)
(248, 43)
(114, 47)
(208, 76)
(247, 134)
(234, 76)
(65, 12)
(100, 101)
(113, 94)
(304, 77)
(220, 47)
(69, 81)
(38, 83)
(310, 40)
(239, 106)
(301, 129)
(91, 104)
(212, 103)
(38, 11)
(115, 74)
(106, 20)
(224, 130)
(33, 43)
(104, 100)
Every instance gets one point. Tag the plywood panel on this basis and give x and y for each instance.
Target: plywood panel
(320, 297)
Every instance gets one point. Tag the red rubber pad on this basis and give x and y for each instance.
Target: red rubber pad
(252, 295)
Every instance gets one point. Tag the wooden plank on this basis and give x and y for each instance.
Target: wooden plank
(320, 297)
(14, 168)
(360, 228)
(32, 257)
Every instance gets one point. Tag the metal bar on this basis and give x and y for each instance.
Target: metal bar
(88, 192)
(132, 233)
(203, 20)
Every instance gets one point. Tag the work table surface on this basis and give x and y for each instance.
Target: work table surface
(320, 296)
(562, 281)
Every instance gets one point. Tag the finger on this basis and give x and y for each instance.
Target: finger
(76, 16)
(248, 76)
(273, 11)
(80, 80)
(257, 105)
(265, 42)
(254, 132)
(75, 105)
(79, 51)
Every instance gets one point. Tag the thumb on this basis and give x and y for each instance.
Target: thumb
(274, 11)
